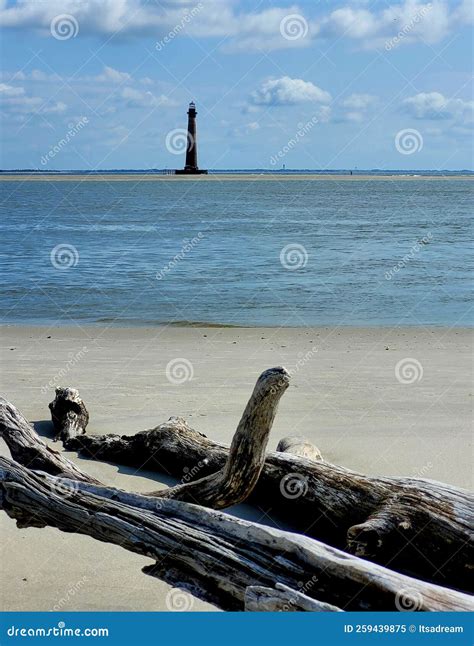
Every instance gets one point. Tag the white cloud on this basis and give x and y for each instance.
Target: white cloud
(8, 91)
(14, 100)
(288, 91)
(356, 108)
(138, 99)
(359, 101)
(245, 30)
(399, 23)
(113, 76)
(435, 106)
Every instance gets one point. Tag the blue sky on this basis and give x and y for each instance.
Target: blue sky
(105, 83)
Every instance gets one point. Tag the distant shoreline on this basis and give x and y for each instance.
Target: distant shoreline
(235, 177)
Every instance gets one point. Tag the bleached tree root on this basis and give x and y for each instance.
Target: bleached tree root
(420, 527)
(210, 553)
(300, 446)
(235, 481)
(69, 414)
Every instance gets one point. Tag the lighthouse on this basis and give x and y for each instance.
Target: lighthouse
(191, 165)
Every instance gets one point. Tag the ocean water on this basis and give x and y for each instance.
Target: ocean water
(286, 252)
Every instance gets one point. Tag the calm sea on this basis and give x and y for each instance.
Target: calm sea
(285, 252)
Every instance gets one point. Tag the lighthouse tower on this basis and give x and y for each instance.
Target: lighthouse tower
(191, 164)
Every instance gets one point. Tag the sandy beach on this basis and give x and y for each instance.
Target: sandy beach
(234, 177)
(345, 396)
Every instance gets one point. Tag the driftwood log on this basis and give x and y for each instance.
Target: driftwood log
(327, 494)
(420, 527)
(69, 414)
(211, 554)
(298, 445)
(235, 481)
(282, 599)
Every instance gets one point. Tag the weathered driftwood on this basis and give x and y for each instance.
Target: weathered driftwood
(235, 481)
(298, 445)
(68, 413)
(420, 527)
(27, 448)
(214, 554)
(225, 487)
(282, 599)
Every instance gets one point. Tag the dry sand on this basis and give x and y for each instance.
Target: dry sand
(344, 396)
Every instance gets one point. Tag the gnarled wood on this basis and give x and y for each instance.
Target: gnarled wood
(27, 448)
(300, 446)
(282, 599)
(215, 552)
(423, 528)
(234, 482)
(69, 414)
